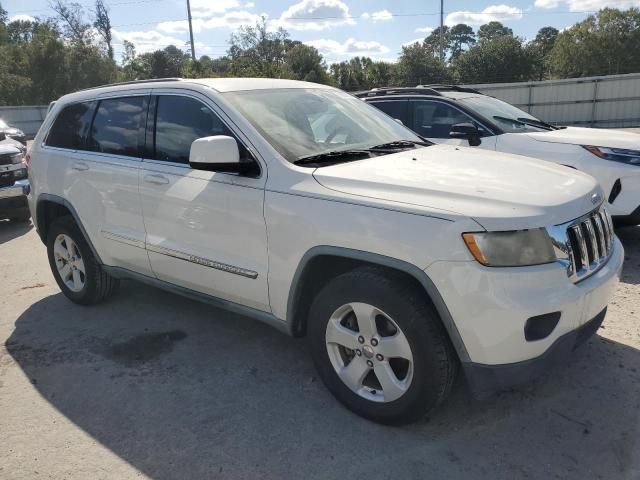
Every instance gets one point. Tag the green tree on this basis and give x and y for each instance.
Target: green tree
(351, 75)
(164, 63)
(102, 24)
(501, 59)
(305, 63)
(492, 30)
(432, 42)
(255, 51)
(602, 44)
(460, 36)
(71, 19)
(382, 74)
(417, 65)
(540, 48)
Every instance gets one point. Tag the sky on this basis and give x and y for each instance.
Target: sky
(339, 29)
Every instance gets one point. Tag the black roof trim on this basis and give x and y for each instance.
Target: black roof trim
(419, 90)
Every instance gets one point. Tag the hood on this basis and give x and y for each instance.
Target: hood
(500, 191)
(590, 136)
(9, 148)
(10, 142)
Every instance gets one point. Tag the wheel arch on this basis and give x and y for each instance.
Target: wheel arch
(321, 263)
(48, 208)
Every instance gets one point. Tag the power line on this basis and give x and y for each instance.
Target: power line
(343, 17)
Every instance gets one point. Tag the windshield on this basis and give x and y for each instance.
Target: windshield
(301, 123)
(500, 113)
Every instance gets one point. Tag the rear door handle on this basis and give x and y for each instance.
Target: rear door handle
(156, 179)
(81, 166)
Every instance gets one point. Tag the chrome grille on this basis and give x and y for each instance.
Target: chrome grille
(585, 244)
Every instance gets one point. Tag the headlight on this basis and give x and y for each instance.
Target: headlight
(511, 249)
(20, 174)
(621, 155)
(17, 158)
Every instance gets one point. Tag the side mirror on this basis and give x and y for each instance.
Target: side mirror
(217, 154)
(466, 131)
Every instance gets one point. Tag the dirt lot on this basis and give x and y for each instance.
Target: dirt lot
(154, 385)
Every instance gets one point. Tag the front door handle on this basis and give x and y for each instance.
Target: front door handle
(156, 179)
(80, 166)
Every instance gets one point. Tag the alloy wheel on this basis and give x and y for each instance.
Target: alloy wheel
(69, 263)
(369, 352)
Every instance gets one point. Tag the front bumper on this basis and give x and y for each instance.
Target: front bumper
(627, 220)
(491, 306)
(13, 199)
(483, 380)
(627, 202)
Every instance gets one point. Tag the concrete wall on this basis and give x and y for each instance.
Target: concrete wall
(26, 118)
(611, 101)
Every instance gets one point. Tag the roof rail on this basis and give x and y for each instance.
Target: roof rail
(452, 88)
(380, 92)
(134, 82)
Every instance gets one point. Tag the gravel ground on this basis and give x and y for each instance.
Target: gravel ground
(154, 385)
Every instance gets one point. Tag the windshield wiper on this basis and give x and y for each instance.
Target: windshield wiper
(537, 123)
(525, 121)
(334, 156)
(399, 144)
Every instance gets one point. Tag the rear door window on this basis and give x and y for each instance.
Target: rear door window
(117, 127)
(395, 109)
(71, 126)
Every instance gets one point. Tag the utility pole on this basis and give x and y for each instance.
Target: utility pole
(441, 29)
(193, 50)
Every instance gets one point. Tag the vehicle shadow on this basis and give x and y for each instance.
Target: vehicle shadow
(11, 229)
(630, 238)
(182, 390)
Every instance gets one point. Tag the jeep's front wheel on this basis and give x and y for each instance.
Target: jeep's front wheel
(75, 268)
(379, 346)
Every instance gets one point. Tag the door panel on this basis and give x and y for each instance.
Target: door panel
(103, 186)
(205, 230)
(205, 234)
(433, 120)
(106, 197)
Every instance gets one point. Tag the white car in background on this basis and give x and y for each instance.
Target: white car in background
(463, 116)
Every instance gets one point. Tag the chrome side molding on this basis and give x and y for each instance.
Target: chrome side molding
(243, 272)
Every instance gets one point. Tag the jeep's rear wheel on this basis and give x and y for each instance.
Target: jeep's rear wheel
(380, 347)
(75, 268)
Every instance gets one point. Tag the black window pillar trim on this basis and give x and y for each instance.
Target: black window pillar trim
(150, 125)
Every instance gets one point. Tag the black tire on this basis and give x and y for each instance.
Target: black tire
(98, 284)
(435, 363)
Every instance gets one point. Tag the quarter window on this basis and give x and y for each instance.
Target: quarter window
(117, 126)
(71, 125)
(180, 121)
(435, 119)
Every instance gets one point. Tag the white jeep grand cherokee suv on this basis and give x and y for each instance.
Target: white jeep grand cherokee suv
(308, 209)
